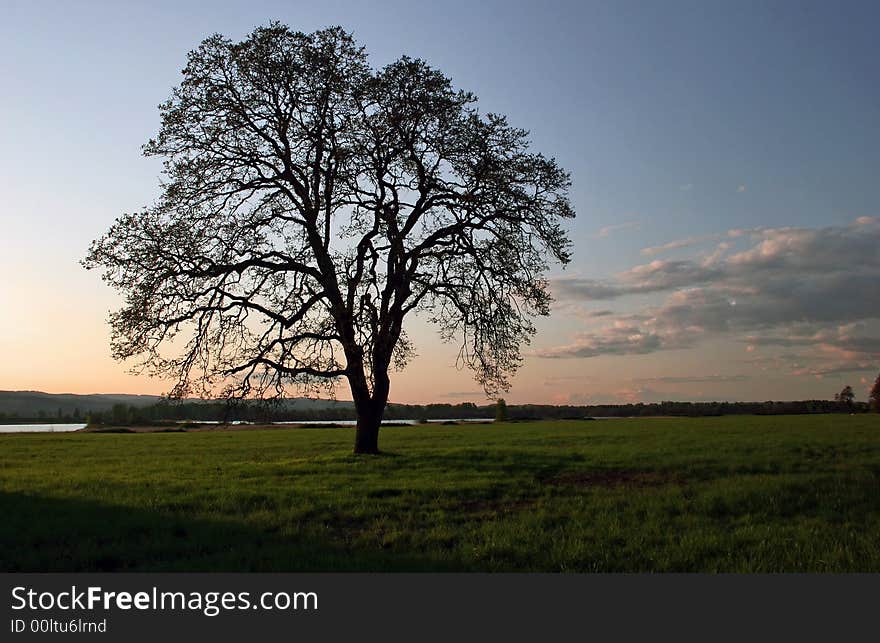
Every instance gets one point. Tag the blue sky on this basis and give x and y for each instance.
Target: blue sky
(676, 119)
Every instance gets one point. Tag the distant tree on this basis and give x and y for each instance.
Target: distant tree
(94, 418)
(874, 396)
(501, 410)
(310, 204)
(846, 396)
(121, 413)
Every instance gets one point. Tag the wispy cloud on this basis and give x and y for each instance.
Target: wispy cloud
(687, 242)
(463, 394)
(741, 188)
(608, 230)
(631, 395)
(672, 245)
(835, 369)
(694, 379)
(564, 379)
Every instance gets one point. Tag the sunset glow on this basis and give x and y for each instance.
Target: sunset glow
(728, 224)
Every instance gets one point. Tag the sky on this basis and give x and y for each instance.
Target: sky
(724, 159)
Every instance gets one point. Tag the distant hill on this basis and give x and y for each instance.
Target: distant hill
(35, 406)
(31, 404)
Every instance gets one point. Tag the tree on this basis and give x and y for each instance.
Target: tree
(121, 414)
(874, 396)
(501, 410)
(846, 396)
(310, 203)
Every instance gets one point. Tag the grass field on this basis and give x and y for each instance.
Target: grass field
(757, 494)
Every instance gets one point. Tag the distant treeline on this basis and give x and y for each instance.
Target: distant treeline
(686, 409)
(42, 417)
(126, 414)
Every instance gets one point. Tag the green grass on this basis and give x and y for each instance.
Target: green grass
(757, 494)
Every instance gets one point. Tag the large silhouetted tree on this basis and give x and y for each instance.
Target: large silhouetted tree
(310, 203)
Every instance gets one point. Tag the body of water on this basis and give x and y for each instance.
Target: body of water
(40, 428)
(65, 428)
(354, 422)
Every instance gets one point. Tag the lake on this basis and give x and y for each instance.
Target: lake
(40, 428)
(65, 428)
(354, 422)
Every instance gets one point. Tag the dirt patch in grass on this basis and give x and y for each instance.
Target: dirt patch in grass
(613, 478)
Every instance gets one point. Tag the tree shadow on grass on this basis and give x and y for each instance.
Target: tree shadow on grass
(43, 534)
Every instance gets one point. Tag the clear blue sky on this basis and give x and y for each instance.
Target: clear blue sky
(676, 119)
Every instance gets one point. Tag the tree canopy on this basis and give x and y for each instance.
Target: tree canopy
(309, 204)
(874, 395)
(847, 396)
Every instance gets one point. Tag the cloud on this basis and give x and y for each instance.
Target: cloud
(672, 245)
(616, 340)
(848, 339)
(836, 369)
(741, 188)
(657, 276)
(572, 309)
(575, 288)
(716, 254)
(677, 244)
(796, 287)
(633, 395)
(667, 275)
(463, 394)
(562, 379)
(695, 379)
(608, 230)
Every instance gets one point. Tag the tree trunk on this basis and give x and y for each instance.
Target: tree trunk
(370, 412)
(366, 439)
(370, 409)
